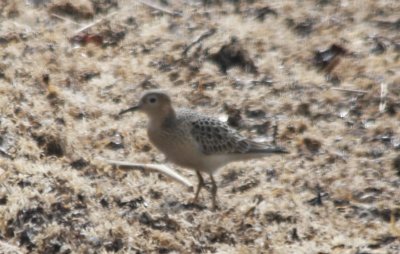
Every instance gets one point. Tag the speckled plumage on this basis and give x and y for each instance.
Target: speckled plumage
(196, 141)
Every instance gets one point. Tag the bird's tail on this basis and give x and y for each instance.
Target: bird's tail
(265, 149)
(272, 149)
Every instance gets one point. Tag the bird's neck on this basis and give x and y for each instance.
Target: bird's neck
(163, 118)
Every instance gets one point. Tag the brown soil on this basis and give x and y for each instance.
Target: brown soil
(325, 75)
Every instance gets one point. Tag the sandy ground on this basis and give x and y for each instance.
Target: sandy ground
(324, 74)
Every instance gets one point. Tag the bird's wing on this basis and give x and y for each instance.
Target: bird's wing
(216, 137)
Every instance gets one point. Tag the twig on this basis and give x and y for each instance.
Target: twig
(393, 228)
(6, 247)
(384, 92)
(159, 8)
(5, 153)
(349, 90)
(82, 29)
(63, 18)
(26, 27)
(275, 132)
(154, 167)
(203, 36)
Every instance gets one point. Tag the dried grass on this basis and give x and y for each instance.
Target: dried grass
(336, 192)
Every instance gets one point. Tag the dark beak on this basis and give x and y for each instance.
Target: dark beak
(131, 109)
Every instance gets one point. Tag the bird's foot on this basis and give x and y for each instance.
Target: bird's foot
(215, 206)
(194, 200)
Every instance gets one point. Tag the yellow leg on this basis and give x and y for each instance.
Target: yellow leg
(213, 192)
(199, 186)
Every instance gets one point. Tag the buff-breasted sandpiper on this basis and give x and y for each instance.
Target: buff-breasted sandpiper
(196, 141)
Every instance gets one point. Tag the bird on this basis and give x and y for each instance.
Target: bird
(194, 140)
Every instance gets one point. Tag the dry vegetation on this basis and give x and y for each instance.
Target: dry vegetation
(325, 73)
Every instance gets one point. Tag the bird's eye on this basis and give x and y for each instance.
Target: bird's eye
(152, 99)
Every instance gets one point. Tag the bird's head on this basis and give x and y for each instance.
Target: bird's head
(155, 103)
